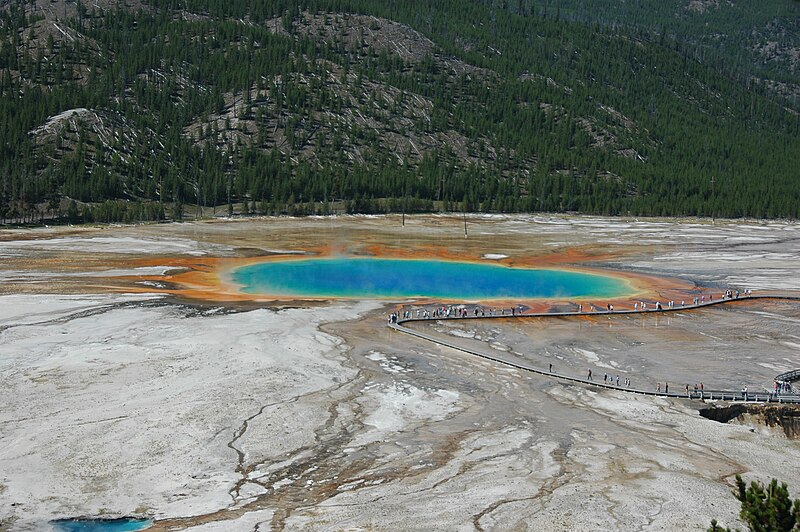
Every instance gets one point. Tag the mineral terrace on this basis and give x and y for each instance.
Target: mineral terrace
(126, 394)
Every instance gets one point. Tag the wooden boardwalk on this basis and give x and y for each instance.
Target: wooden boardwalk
(713, 395)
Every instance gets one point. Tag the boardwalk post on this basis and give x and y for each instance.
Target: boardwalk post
(713, 202)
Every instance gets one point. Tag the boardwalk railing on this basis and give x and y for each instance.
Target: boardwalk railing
(712, 395)
(601, 312)
(789, 376)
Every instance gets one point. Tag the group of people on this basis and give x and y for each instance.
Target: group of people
(610, 380)
(460, 311)
(643, 305)
(455, 311)
(698, 390)
(734, 294)
(438, 312)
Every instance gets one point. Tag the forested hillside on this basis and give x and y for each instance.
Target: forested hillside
(137, 110)
(751, 41)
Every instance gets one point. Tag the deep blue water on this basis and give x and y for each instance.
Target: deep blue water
(393, 278)
(100, 525)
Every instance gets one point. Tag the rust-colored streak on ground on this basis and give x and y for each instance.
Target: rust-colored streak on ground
(206, 278)
(198, 279)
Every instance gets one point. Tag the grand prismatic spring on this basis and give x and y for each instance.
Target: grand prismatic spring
(391, 278)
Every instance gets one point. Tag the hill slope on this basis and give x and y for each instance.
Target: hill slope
(133, 108)
(753, 41)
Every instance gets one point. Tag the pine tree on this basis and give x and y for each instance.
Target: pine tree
(765, 508)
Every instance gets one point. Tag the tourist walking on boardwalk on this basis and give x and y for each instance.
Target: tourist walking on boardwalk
(551, 367)
(658, 387)
(590, 375)
(666, 387)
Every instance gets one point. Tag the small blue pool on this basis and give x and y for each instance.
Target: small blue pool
(127, 524)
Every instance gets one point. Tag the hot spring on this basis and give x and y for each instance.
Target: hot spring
(377, 278)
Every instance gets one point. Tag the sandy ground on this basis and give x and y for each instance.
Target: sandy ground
(254, 417)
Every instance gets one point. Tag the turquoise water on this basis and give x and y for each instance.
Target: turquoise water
(393, 278)
(100, 525)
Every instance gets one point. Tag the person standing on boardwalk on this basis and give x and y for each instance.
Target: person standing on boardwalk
(666, 387)
(551, 367)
